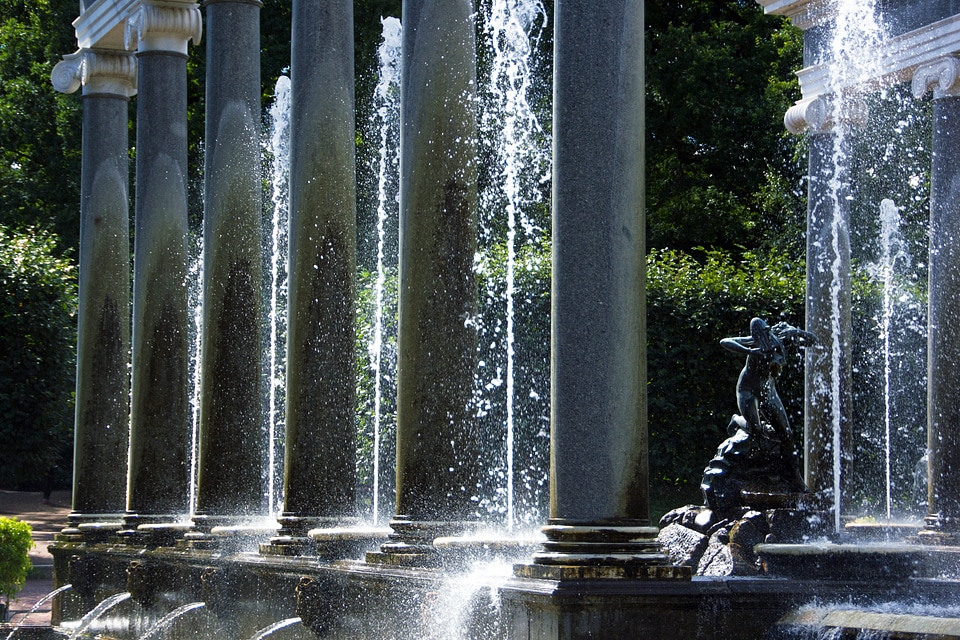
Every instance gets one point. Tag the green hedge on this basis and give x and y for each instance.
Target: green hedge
(38, 298)
(691, 305)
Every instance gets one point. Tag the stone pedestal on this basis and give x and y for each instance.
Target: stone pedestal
(437, 458)
(599, 511)
(231, 483)
(103, 337)
(159, 476)
(320, 446)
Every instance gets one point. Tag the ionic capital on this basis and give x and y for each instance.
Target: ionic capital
(163, 26)
(106, 72)
(821, 113)
(942, 75)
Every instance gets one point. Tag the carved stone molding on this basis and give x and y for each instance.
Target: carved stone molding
(943, 76)
(803, 13)
(163, 26)
(107, 72)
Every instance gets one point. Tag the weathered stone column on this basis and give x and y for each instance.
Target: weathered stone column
(159, 476)
(231, 482)
(437, 467)
(943, 335)
(599, 510)
(103, 337)
(320, 462)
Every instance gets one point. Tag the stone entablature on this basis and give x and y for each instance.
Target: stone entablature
(898, 60)
(923, 51)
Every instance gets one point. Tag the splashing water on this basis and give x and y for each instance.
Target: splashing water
(513, 28)
(853, 70)
(387, 97)
(92, 615)
(279, 150)
(47, 598)
(168, 619)
(273, 628)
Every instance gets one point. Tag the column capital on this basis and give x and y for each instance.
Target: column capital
(97, 71)
(811, 115)
(820, 114)
(942, 75)
(163, 26)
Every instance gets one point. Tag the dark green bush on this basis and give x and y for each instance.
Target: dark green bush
(38, 299)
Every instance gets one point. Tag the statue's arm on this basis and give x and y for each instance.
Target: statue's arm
(739, 345)
(784, 330)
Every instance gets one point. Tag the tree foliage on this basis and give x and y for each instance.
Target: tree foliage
(720, 166)
(39, 128)
(38, 299)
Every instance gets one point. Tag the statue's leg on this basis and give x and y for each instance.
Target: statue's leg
(749, 406)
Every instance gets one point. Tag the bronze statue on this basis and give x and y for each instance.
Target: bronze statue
(762, 429)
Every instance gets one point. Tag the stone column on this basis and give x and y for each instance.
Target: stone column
(943, 335)
(599, 510)
(827, 393)
(159, 476)
(231, 478)
(437, 467)
(103, 337)
(320, 446)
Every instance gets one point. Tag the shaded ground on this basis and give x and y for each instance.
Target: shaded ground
(46, 519)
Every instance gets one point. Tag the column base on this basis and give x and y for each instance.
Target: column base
(153, 530)
(625, 571)
(226, 532)
(580, 550)
(939, 531)
(411, 541)
(90, 528)
(330, 538)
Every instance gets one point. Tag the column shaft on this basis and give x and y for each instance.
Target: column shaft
(320, 462)
(827, 404)
(159, 479)
(103, 339)
(944, 308)
(231, 482)
(598, 455)
(437, 463)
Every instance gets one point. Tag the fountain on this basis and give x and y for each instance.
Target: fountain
(157, 549)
